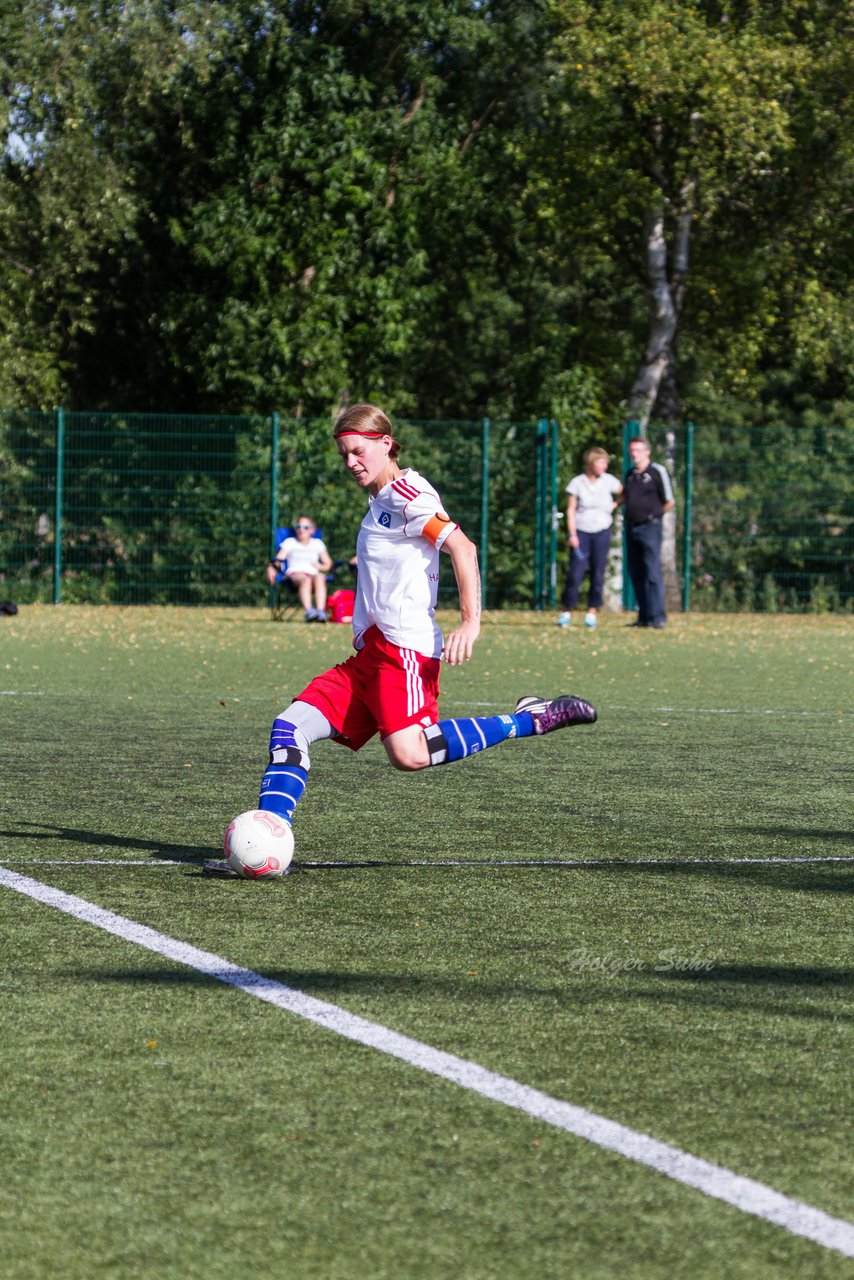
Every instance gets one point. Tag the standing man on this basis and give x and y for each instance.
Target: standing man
(647, 494)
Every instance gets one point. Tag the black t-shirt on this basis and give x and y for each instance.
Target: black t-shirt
(646, 494)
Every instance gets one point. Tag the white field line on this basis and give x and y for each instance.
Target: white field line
(682, 711)
(474, 863)
(712, 1180)
(451, 702)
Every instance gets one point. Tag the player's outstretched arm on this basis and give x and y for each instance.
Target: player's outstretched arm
(460, 643)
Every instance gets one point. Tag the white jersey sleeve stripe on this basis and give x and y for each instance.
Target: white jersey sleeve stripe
(665, 480)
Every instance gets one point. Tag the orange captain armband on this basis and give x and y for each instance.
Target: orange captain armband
(435, 527)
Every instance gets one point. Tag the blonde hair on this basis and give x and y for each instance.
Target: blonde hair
(366, 420)
(592, 454)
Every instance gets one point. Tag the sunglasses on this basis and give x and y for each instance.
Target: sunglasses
(303, 526)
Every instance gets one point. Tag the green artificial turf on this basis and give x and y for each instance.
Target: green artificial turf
(157, 1123)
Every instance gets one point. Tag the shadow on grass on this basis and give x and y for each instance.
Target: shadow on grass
(828, 877)
(326, 984)
(762, 989)
(803, 833)
(748, 989)
(103, 839)
(831, 878)
(765, 974)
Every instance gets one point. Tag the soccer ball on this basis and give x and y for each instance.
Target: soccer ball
(258, 845)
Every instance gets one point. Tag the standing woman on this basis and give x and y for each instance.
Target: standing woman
(589, 513)
(390, 686)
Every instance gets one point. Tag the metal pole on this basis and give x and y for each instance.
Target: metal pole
(57, 519)
(629, 598)
(554, 517)
(274, 481)
(274, 493)
(484, 510)
(686, 531)
(539, 517)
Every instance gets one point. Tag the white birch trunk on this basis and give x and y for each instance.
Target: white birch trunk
(666, 293)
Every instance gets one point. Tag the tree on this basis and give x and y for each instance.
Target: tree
(686, 109)
(458, 208)
(81, 84)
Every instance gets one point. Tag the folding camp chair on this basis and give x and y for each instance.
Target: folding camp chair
(284, 594)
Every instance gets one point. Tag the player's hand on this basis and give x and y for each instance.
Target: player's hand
(574, 541)
(460, 643)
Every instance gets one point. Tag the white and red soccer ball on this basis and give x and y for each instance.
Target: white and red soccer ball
(258, 845)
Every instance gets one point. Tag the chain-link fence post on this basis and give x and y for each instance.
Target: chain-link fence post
(686, 526)
(57, 519)
(540, 516)
(554, 515)
(484, 511)
(274, 493)
(629, 598)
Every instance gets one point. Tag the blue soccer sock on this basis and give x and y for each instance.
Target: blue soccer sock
(287, 773)
(451, 740)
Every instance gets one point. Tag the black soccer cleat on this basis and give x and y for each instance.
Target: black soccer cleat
(558, 713)
(215, 869)
(219, 870)
(530, 703)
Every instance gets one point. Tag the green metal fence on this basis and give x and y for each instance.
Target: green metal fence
(169, 509)
(764, 516)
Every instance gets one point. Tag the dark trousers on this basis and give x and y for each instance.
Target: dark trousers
(643, 542)
(591, 553)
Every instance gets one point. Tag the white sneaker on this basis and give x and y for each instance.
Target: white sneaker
(590, 620)
(564, 619)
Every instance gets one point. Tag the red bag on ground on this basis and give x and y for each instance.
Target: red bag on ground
(340, 605)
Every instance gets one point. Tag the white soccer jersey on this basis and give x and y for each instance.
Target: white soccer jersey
(398, 557)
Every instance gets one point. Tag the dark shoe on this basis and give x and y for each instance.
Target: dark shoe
(637, 624)
(531, 704)
(219, 871)
(9, 607)
(559, 713)
(659, 626)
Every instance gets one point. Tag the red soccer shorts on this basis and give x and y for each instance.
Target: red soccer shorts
(381, 689)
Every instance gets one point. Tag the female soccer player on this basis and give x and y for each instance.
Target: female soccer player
(390, 685)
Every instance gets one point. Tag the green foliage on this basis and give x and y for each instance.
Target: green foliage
(450, 455)
(169, 508)
(772, 517)
(235, 207)
(727, 115)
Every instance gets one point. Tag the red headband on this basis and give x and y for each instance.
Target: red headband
(358, 431)
(367, 435)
